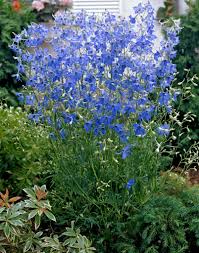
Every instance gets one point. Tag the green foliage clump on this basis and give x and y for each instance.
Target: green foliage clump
(187, 63)
(188, 59)
(168, 221)
(19, 224)
(10, 22)
(158, 226)
(24, 150)
(187, 54)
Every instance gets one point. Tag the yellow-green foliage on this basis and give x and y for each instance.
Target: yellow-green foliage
(24, 150)
(172, 182)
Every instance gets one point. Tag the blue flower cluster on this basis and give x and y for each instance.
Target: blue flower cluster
(105, 71)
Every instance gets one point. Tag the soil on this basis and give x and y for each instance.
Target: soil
(192, 175)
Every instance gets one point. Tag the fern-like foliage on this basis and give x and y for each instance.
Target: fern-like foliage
(159, 226)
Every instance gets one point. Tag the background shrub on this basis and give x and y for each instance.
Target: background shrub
(187, 58)
(24, 150)
(187, 64)
(168, 220)
(10, 22)
(158, 226)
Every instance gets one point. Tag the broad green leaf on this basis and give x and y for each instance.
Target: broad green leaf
(69, 232)
(16, 214)
(7, 230)
(52, 242)
(2, 250)
(50, 216)
(32, 214)
(17, 223)
(3, 217)
(28, 245)
(30, 204)
(38, 234)
(43, 188)
(29, 192)
(37, 221)
(70, 241)
(2, 209)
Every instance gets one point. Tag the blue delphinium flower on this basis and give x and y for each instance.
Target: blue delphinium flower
(163, 129)
(126, 151)
(130, 183)
(30, 100)
(62, 134)
(52, 136)
(139, 130)
(88, 126)
(145, 115)
(164, 98)
(132, 19)
(20, 97)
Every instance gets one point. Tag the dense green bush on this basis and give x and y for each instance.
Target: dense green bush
(187, 58)
(158, 226)
(10, 22)
(187, 63)
(168, 221)
(24, 150)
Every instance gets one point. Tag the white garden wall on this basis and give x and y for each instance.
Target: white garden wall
(124, 7)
